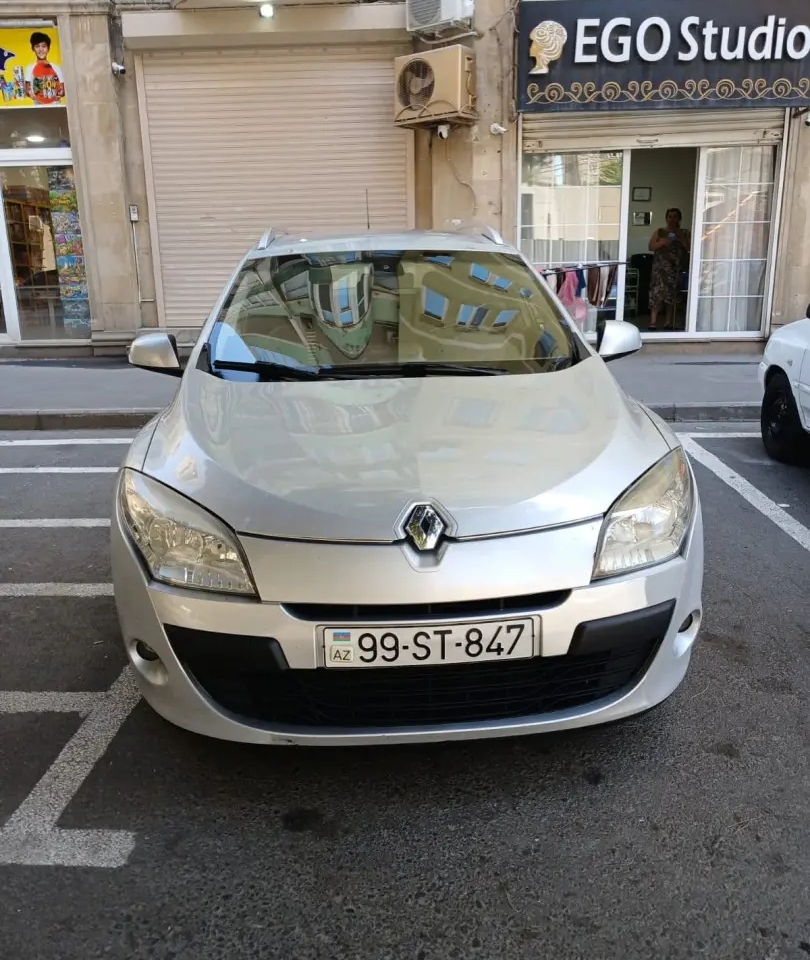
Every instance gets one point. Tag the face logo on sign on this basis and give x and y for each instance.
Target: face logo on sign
(547, 43)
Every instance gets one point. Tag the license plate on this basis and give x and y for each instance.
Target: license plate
(413, 646)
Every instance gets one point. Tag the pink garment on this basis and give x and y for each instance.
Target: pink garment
(576, 307)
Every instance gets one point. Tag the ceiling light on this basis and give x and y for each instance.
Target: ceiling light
(266, 10)
(35, 138)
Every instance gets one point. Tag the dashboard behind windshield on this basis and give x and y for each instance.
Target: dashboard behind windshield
(393, 307)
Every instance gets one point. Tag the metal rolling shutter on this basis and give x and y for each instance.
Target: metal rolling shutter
(240, 140)
(670, 128)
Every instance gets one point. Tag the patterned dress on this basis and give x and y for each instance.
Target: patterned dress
(667, 267)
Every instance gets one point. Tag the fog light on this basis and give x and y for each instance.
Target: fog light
(145, 652)
(687, 622)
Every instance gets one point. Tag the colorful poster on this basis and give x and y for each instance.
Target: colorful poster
(70, 265)
(68, 245)
(30, 68)
(65, 222)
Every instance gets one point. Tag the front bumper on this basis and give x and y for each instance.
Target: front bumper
(762, 370)
(609, 650)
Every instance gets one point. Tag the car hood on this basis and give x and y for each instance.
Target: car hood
(342, 460)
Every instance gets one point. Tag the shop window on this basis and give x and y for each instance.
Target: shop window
(470, 316)
(737, 212)
(571, 206)
(435, 305)
(47, 255)
(27, 128)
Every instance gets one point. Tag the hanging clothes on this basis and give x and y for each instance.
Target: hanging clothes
(576, 307)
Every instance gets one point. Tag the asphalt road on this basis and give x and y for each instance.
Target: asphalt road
(680, 834)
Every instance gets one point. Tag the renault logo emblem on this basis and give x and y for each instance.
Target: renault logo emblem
(424, 527)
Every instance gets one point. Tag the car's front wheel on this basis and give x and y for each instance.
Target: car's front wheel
(783, 435)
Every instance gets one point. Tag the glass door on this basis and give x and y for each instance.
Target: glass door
(732, 239)
(573, 211)
(9, 325)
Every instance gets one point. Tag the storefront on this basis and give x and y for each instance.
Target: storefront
(656, 140)
(43, 282)
(248, 124)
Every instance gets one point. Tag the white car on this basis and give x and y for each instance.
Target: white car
(398, 497)
(784, 375)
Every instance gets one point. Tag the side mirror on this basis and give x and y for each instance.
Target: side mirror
(808, 313)
(618, 339)
(156, 351)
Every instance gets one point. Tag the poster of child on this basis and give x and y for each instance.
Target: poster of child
(30, 74)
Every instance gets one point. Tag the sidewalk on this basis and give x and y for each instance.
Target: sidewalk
(60, 394)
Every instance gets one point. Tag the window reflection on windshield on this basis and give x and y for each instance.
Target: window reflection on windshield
(394, 307)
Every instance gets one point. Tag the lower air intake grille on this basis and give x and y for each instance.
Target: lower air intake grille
(247, 676)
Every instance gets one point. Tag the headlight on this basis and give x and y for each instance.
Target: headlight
(180, 542)
(648, 523)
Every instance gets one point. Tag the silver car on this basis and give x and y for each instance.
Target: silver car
(398, 497)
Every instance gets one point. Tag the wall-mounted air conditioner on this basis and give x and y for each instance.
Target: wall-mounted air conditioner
(430, 17)
(435, 87)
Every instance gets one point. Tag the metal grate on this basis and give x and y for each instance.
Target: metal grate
(404, 696)
(414, 612)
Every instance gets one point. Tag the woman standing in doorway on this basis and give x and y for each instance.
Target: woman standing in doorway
(670, 246)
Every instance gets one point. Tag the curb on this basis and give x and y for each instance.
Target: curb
(718, 412)
(75, 419)
(133, 419)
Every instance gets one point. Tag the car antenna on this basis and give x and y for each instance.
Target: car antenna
(368, 215)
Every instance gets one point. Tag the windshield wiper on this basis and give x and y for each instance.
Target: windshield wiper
(418, 368)
(268, 370)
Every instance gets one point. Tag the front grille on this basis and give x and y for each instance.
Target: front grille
(251, 681)
(414, 612)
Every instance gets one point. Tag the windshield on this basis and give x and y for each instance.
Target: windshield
(391, 312)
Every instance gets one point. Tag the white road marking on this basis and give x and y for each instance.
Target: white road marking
(749, 492)
(53, 523)
(56, 590)
(697, 435)
(30, 836)
(67, 442)
(47, 701)
(9, 470)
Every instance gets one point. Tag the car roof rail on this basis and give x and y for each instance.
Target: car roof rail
(491, 234)
(481, 230)
(269, 237)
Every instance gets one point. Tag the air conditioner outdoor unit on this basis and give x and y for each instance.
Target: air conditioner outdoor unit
(432, 16)
(436, 86)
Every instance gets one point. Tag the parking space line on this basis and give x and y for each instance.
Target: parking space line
(10, 470)
(67, 442)
(749, 492)
(47, 701)
(30, 836)
(54, 523)
(719, 436)
(56, 590)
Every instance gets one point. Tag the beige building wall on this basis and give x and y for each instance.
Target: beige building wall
(99, 159)
(473, 173)
(94, 104)
(471, 177)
